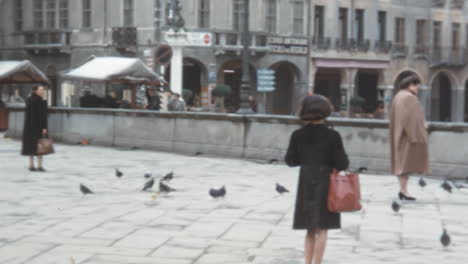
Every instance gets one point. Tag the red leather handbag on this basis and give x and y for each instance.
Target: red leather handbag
(344, 194)
(45, 146)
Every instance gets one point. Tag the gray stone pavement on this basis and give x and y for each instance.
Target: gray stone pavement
(44, 218)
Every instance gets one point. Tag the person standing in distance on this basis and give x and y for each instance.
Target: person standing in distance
(35, 126)
(408, 135)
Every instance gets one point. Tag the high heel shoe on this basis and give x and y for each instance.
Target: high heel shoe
(402, 196)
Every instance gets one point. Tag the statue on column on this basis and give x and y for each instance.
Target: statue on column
(174, 19)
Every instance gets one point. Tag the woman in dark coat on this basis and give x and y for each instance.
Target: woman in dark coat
(318, 150)
(35, 126)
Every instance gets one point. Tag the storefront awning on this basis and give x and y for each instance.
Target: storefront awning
(21, 72)
(349, 63)
(131, 70)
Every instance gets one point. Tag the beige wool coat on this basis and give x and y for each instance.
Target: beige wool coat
(408, 135)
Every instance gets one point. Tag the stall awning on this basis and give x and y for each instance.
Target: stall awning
(20, 72)
(114, 69)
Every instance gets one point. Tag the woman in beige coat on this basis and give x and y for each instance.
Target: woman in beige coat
(408, 135)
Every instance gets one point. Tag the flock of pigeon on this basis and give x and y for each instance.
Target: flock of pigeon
(445, 237)
(220, 193)
(165, 188)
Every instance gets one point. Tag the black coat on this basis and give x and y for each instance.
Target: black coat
(90, 101)
(35, 120)
(154, 103)
(317, 149)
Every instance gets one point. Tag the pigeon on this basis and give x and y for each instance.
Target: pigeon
(165, 188)
(148, 185)
(445, 238)
(446, 186)
(85, 190)
(281, 189)
(168, 177)
(147, 175)
(422, 182)
(362, 169)
(395, 207)
(118, 173)
(217, 193)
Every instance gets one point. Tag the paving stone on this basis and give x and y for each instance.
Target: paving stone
(44, 218)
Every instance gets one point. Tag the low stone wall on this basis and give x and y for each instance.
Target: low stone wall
(252, 137)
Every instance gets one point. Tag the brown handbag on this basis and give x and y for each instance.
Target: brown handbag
(45, 146)
(344, 193)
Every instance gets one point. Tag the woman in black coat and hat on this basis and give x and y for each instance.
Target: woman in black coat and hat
(318, 150)
(35, 126)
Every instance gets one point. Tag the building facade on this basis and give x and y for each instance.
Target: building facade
(338, 48)
(364, 48)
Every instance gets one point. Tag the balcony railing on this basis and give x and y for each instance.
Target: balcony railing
(438, 3)
(344, 44)
(233, 41)
(399, 50)
(46, 39)
(382, 46)
(422, 49)
(450, 56)
(321, 43)
(362, 45)
(457, 4)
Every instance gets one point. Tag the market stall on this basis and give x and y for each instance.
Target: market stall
(14, 73)
(112, 77)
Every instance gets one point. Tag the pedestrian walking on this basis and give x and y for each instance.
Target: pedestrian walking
(408, 135)
(318, 150)
(35, 126)
(154, 100)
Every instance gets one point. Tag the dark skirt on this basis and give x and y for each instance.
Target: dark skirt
(311, 210)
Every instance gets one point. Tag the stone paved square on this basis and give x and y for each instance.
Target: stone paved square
(45, 219)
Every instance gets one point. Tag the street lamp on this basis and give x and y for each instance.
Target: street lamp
(244, 107)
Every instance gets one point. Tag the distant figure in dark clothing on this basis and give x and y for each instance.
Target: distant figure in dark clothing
(154, 101)
(89, 100)
(110, 101)
(318, 150)
(380, 111)
(35, 126)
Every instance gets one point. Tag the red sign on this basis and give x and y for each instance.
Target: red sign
(163, 54)
(207, 38)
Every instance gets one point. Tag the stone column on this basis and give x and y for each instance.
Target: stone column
(176, 70)
(347, 87)
(312, 73)
(458, 104)
(370, 21)
(424, 95)
(331, 19)
(387, 91)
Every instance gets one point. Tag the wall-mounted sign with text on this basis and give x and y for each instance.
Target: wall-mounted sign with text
(288, 45)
